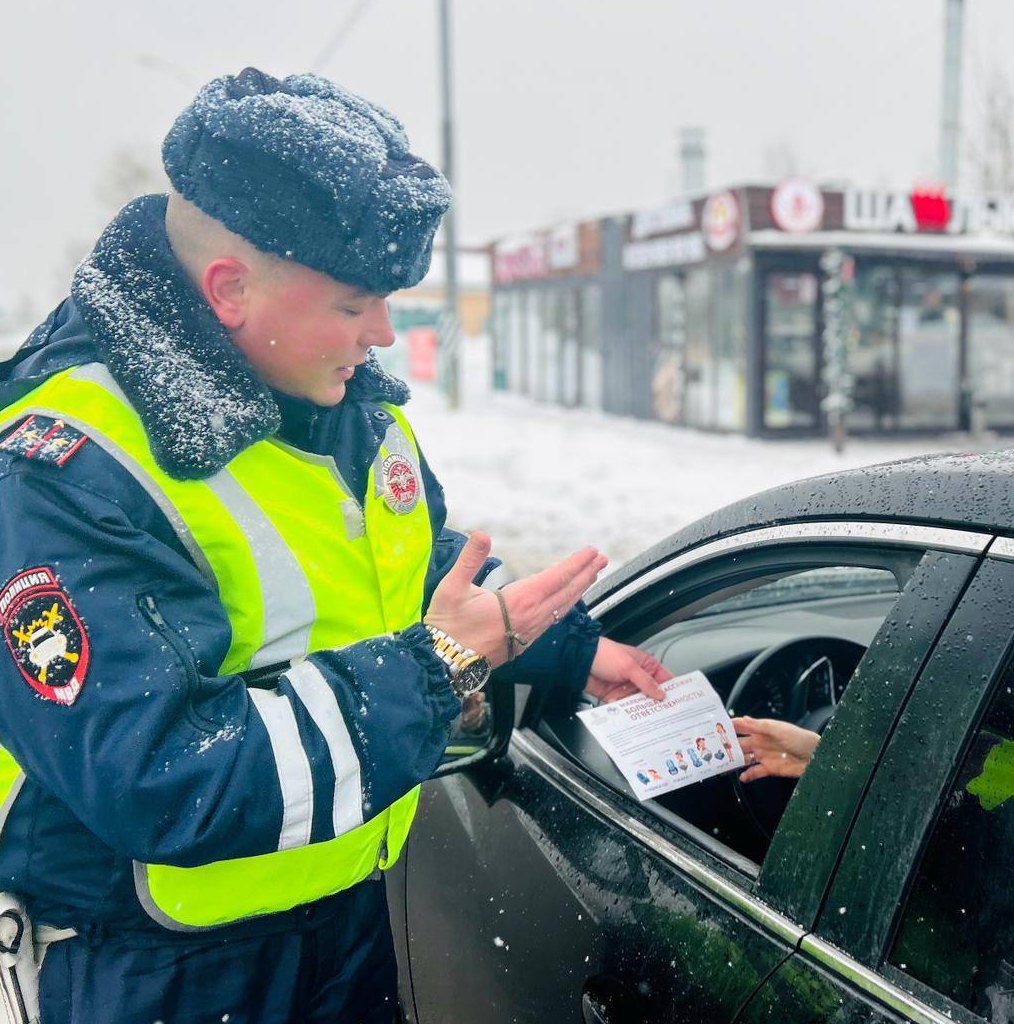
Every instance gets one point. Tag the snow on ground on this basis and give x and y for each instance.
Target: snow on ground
(544, 481)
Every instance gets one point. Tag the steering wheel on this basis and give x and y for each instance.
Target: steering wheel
(801, 681)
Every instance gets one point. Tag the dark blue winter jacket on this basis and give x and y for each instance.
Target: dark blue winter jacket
(159, 759)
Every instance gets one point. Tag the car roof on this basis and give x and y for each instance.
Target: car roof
(970, 491)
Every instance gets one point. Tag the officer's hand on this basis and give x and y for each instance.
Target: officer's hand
(620, 671)
(772, 747)
(471, 615)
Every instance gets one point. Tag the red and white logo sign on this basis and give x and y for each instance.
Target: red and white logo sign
(931, 208)
(797, 206)
(720, 221)
(401, 486)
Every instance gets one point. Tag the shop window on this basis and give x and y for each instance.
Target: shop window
(570, 364)
(514, 334)
(534, 371)
(957, 930)
(668, 373)
(591, 346)
(929, 328)
(548, 383)
(729, 292)
(873, 360)
(990, 305)
(519, 342)
(502, 340)
(699, 373)
(790, 351)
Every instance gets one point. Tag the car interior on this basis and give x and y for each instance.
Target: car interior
(776, 645)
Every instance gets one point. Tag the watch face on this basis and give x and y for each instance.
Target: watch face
(472, 677)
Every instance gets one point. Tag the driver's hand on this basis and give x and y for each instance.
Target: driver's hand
(771, 747)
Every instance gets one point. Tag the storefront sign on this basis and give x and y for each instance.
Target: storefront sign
(665, 252)
(927, 210)
(664, 220)
(975, 215)
(519, 258)
(871, 210)
(562, 245)
(569, 248)
(720, 221)
(797, 206)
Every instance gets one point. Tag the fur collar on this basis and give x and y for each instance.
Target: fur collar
(200, 400)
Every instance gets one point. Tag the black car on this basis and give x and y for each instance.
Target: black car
(878, 602)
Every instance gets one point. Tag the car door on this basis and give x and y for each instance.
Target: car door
(541, 889)
(918, 923)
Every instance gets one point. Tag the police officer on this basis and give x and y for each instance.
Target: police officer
(236, 627)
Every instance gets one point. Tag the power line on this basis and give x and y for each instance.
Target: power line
(338, 36)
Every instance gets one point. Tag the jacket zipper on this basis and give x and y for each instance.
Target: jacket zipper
(146, 603)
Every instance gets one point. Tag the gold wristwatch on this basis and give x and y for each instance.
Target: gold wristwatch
(467, 670)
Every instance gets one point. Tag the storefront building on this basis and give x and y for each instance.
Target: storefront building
(710, 312)
(547, 315)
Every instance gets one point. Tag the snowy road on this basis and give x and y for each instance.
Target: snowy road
(544, 481)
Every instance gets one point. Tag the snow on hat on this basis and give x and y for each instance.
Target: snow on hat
(308, 171)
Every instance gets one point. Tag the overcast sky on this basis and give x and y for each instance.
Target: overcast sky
(563, 108)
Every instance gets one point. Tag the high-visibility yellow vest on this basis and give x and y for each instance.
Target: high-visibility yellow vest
(294, 576)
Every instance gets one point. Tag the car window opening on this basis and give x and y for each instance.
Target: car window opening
(784, 645)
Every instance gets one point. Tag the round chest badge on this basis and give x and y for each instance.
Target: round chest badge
(720, 221)
(401, 486)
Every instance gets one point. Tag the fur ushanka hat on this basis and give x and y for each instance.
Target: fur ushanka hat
(307, 171)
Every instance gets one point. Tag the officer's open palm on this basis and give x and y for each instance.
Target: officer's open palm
(471, 615)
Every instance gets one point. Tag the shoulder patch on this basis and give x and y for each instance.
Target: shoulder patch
(45, 637)
(45, 440)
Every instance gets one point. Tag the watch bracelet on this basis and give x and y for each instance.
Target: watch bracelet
(455, 656)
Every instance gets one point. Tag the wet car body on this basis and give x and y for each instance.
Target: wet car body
(537, 888)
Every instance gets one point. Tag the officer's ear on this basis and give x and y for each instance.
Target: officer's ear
(225, 284)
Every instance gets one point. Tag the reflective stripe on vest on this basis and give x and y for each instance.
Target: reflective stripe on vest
(293, 578)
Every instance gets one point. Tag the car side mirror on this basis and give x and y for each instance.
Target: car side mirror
(482, 731)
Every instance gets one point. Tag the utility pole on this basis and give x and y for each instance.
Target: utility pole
(450, 334)
(972, 389)
(950, 108)
(692, 154)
